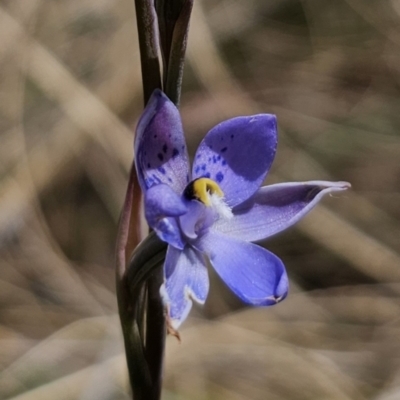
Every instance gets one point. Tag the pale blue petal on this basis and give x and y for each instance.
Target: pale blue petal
(197, 219)
(274, 208)
(162, 207)
(254, 274)
(237, 154)
(160, 148)
(186, 279)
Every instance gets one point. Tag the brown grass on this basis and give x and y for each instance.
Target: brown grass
(70, 93)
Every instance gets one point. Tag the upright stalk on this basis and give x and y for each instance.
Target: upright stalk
(139, 279)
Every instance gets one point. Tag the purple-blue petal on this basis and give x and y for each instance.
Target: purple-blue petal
(254, 274)
(274, 208)
(185, 279)
(237, 154)
(162, 207)
(160, 147)
(197, 219)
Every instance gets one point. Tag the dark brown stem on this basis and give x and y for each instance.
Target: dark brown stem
(144, 365)
(176, 57)
(149, 46)
(138, 283)
(155, 331)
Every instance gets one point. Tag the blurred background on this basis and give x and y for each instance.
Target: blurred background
(70, 96)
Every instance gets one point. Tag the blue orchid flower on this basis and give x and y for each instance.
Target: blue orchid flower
(216, 210)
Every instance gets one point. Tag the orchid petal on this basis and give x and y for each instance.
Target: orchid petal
(197, 219)
(186, 279)
(160, 148)
(162, 206)
(237, 154)
(274, 208)
(254, 274)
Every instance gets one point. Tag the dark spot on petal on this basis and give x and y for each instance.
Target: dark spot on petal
(160, 156)
(207, 175)
(156, 178)
(148, 182)
(148, 165)
(203, 167)
(219, 177)
(175, 152)
(209, 159)
(197, 170)
(219, 158)
(223, 162)
(161, 169)
(224, 149)
(169, 180)
(165, 148)
(232, 136)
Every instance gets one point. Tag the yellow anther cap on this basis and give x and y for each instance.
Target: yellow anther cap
(201, 188)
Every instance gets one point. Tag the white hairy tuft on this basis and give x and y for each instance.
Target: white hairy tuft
(219, 205)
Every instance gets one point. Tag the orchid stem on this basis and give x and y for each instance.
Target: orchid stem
(152, 336)
(145, 265)
(144, 366)
(138, 287)
(176, 56)
(155, 330)
(146, 18)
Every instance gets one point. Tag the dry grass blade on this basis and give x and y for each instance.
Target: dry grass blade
(365, 253)
(256, 364)
(82, 107)
(74, 386)
(77, 346)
